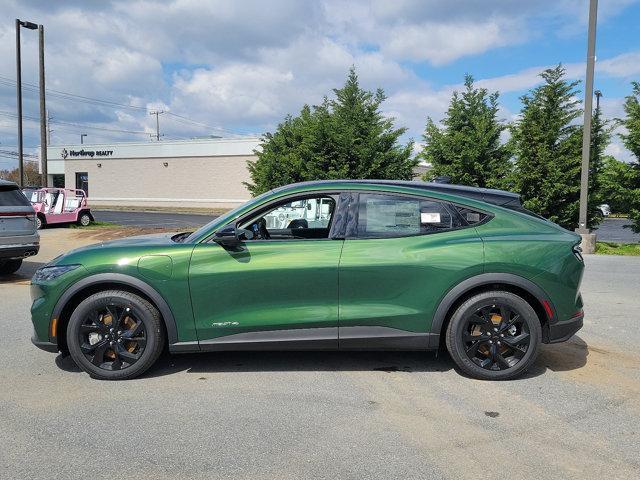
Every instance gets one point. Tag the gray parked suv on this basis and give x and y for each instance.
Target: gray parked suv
(18, 235)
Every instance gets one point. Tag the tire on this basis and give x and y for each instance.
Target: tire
(8, 267)
(84, 220)
(113, 356)
(503, 350)
(39, 222)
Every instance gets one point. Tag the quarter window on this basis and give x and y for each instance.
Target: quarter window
(472, 217)
(384, 215)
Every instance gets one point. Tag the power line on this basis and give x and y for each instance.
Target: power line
(90, 100)
(80, 125)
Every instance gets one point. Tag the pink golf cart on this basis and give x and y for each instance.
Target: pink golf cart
(60, 205)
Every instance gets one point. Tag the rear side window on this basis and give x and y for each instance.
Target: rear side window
(386, 215)
(13, 198)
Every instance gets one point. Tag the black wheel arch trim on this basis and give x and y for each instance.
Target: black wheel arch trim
(126, 280)
(481, 280)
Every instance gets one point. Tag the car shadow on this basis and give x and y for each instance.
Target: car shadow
(328, 361)
(26, 271)
(561, 357)
(570, 355)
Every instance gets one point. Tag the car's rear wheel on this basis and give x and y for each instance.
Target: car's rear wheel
(39, 222)
(10, 266)
(115, 335)
(494, 336)
(84, 219)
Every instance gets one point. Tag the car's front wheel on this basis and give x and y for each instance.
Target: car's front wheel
(494, 336)
(115, 335)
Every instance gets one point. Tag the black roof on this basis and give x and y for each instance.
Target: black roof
(488, 195)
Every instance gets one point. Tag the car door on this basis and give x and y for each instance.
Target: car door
(401, 254)
(278, 289)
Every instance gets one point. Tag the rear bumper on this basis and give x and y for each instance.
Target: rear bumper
(19, 251)
(564, 330)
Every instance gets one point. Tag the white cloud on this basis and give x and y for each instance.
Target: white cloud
(442, 43)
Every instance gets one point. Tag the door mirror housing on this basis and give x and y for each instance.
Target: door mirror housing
(227, 236)
(231, 236)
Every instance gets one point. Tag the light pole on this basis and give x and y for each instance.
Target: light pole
(82, 135)
(598, 94)
(588, 239)
(30, 26)
(43, 110)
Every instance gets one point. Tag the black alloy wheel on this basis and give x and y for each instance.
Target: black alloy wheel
(112, 338)
(494, 335)
(115, 335)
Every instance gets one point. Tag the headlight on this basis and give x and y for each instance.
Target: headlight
(49, 273)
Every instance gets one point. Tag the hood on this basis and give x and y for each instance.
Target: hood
(154, 239)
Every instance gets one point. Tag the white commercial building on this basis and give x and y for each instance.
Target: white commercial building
(189, 173)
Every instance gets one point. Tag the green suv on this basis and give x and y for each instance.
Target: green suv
(331, 265)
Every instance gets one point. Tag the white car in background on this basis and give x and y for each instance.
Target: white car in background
(604, 210)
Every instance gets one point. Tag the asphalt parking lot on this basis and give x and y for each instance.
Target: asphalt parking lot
(376, 415)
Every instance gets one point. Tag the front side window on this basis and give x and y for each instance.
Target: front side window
(301, 218)
(387, 215)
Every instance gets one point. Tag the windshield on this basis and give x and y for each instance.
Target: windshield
(224, 219)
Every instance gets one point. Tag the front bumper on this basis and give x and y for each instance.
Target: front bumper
(46, 346)
(564, 330)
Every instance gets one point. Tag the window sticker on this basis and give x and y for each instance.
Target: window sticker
(429, 217)
(473, 217)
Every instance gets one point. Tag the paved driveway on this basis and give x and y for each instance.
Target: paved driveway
(329, 415)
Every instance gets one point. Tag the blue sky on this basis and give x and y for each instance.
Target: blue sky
(231, 68)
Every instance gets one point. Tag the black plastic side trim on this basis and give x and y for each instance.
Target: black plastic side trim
(564, 330)
(324, 338)
(382, 338)
(485, 279)
(145, 288)
(46, 346)
(184, 347)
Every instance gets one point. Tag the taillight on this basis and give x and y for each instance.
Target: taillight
(577, 251)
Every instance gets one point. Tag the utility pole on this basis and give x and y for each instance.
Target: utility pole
(588, 239)
(82, 135)
(19, 106)
(157, 113)
(49, 128)
(30, 26)
(43, 111)
(598, 94)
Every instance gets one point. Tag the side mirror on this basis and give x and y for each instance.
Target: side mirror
(230, 236)
(227, 236)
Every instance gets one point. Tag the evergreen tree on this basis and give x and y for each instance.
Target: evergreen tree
(618, 181)
(631, 140)
(547, 145)
(467, 147)
(345, 137)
